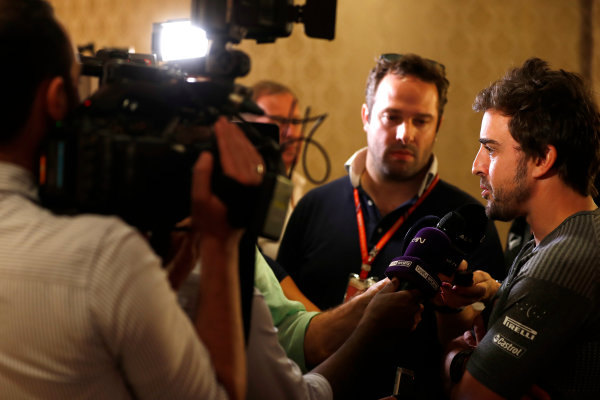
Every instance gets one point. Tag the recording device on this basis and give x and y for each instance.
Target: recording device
(129, 148)
(264, 21)
(439, 249)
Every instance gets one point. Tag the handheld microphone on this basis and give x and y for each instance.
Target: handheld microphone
(418, 267)
(465, 227)
(439, 249)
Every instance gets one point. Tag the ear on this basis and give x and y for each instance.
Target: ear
(364, 113)
(57, 104)
(542, 165)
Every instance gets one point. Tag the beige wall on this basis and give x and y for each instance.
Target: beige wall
(477, 40)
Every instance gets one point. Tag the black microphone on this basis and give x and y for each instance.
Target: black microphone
(439, 249)
(465, 227)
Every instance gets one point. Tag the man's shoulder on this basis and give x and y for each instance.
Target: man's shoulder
(92, 227)
(577, 234)
(70, 245)
(335, 189)
(327, 204)
(570, 255)
(77, 229)
(342, 182)
(99, 237)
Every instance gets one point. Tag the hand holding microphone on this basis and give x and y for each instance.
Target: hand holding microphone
(439, 249)
(484, 287)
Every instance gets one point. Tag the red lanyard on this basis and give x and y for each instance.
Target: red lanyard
(369, 256)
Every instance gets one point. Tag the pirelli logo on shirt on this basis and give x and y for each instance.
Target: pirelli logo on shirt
(519, 328)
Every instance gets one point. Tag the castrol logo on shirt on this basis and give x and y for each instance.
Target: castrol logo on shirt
(508, 346)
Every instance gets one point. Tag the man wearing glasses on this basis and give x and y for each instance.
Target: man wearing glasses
(280, 105)
(356, 224)
(281, 108)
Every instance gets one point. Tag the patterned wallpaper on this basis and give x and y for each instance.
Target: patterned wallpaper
(477, 40)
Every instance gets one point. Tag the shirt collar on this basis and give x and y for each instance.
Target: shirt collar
(355, 166)
(16, 179)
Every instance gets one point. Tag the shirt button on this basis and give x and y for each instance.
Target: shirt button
(379, 230)
(369, 202)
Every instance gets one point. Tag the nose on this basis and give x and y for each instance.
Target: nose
(404, 132)
(480, 163)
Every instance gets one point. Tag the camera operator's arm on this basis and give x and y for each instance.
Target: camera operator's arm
(389, 316)
(328, 330)
(183, 257)
(218, 318)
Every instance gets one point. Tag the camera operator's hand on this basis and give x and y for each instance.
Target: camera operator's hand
(240, 161)
(218, 319)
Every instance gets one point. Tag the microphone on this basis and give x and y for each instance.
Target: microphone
(439, 249)
(465, 227)
(418, 267)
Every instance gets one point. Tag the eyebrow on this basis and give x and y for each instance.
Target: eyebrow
(392, 110)
(488, 141)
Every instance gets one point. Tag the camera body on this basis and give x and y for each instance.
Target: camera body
(129, 150)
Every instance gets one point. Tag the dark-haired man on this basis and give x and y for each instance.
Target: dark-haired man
(356, 224)
(87, 311)
(539, 154)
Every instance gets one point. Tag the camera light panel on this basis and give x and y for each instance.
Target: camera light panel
(181, 40)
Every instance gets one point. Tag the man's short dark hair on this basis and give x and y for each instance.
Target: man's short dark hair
(268, 88)
(550, 107)
(33, 47)
(408, 65)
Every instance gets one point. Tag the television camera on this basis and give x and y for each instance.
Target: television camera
(129, 148)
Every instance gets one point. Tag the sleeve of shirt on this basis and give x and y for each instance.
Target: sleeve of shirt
(142, 325)
(278, 270)
(538, 320)
(271, 374)
(290, 317)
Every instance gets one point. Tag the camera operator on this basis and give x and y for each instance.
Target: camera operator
(87, 311)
